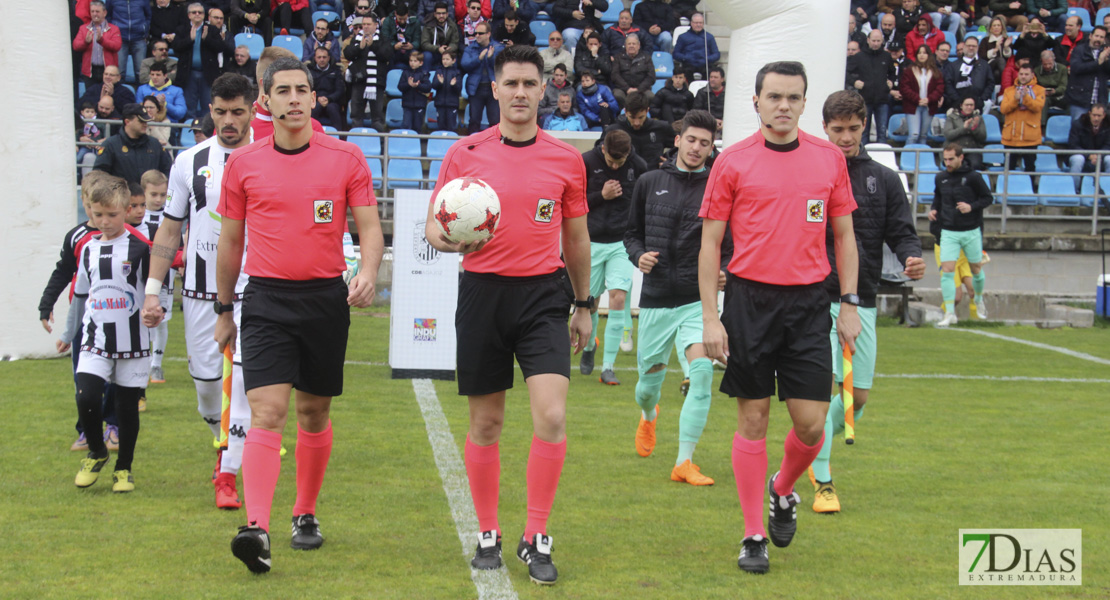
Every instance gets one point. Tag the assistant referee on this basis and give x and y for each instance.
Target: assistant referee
(292, 192)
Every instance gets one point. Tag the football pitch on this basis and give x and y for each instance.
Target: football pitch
(967, 428)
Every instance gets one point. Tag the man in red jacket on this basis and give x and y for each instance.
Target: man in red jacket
(99, 42)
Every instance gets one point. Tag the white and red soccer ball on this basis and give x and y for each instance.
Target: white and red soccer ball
(466, 210)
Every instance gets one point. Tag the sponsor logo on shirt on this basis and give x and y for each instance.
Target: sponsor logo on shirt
(815, 211)
(206, 173)
(322, 211)
(545, 210)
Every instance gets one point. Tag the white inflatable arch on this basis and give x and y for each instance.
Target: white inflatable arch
(809, 31)
(37, 168)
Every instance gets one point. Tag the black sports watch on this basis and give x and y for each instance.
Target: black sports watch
(850, 299)
(587, 303)
(222, 308)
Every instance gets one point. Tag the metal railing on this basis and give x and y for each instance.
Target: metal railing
(1098, 198)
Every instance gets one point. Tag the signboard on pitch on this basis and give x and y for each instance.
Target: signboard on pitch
(425, 292)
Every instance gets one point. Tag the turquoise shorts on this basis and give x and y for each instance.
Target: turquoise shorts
(610, 268)
(971, 242)
(664, 328)
(863, 361)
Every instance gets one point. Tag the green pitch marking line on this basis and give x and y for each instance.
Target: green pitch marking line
(1072, 353)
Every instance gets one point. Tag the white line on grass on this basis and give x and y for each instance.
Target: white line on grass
(1072, 353)
(495, 584)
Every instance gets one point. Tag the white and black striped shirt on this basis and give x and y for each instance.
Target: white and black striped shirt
(194, 192)
(110, 278)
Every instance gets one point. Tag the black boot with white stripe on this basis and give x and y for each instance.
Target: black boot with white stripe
(753, 555)
(782, 519)
(488, 554)
(537, 555)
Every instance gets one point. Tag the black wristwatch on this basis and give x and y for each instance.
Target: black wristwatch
(850, 299)
(222, 308)
(587, 303)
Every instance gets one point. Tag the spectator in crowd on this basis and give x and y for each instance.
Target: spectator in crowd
(712, 97)
(573, 16)
(160, 52)
(439, 36)
(447, 83)
(674, 100)
(156, 110)
(944, 50)
(425, 11)
(415, 86)
(401, 31)
(106, 109)
(898, 58)
(253, 16)
(133, 19)
(1089, 132)
(1009, 74)
(132, 152)
(1012, 12)
(291, 14)
(595, 100)
(463, 10)
(594, 58)
(945, 15)
(363, 9)
(554, 86)
(556, 54)
(1032, 41)
(1022, 104)
(564, 117)
(922, 87)
(632, 70)
(695, 52)
(854, 34)
(890, 31)
(199, 48)
(964, 125)
(853, 49)
(170, 97)
(204, 127)
(469, 21)
(923, 34)
(166, 18)
(651, 138)
(615, 35)
(1073, 36)
(1089, 70)
(905, 20)
(477, 61)
(510, 32)
(969, 77)
(327, 82)
(110, 86)
(368, 56)
(871, 73)
(1050, 12)
(997, 47)
(242, 63)
(657, 20)
(99, 43)
(525, 11)
(1053, 77)
(320, 37)
(89, 133)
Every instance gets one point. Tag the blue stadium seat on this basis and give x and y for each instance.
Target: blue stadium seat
(895, 122)
(431, 116)
(1046, 163)
(1061, 188)
(907, 159)
(80, 88)
(330, 16)
(466, 118)
(979, 35)
(1087, 190)
(1084, 17)
(1100, 15)
(1058, 129)
(438, 145)
(1018, 187)
(130, 87)
(392, 80)
(462, 92)
(926, 184)
(664, 64)
(997, 159)
(433, 172)
(375, 171)
(253, 42)
(330, 129)
(290, 43)
(938, 121)
(404, 147)
(994, 129)
(188, 139)
(370, 146)
(394, 114)
(951, 39)
(612, 14)
(541, 29)
(658, 85)
(404, 168)
(634, 5)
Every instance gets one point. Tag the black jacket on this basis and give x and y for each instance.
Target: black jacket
(874, 68)
(633, 71)
(965, 185)
(357, 55)
(521, 36)
(602, 65)
(978, 84)
(654, 12)
(562, 13)
(680, 101)
(211, 47)
(713, 102)
(1081, 76)
(164, 21)
(327, 83)
(882, 216)
(650, 141)
(608, 219)
(141, 155)
(663, 218)
(1083, 137)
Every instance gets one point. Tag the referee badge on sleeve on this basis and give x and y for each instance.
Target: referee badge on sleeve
(322, 211)
(815, 211)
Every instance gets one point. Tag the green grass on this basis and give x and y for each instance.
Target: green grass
(932, 456)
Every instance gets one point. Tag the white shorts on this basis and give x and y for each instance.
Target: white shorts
(206, 362)
(124, 372)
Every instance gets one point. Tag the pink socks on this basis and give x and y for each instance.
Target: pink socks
(313, 452)
(749, 466)
(483, 470)
(796, 458)
(545, 464)
(261, 467)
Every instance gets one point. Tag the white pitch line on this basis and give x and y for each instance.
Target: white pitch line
(989, 378)
(494, 584)
(1072, 353)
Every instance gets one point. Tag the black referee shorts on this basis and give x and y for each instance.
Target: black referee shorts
(295, 332)
(501, 317)
(776, 330)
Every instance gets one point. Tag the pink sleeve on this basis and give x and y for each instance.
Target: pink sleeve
(574, 197)
(447, 171)
(719, 195)
(841, 201)
(360, 186)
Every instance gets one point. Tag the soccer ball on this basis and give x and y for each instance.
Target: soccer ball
(466, 210)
